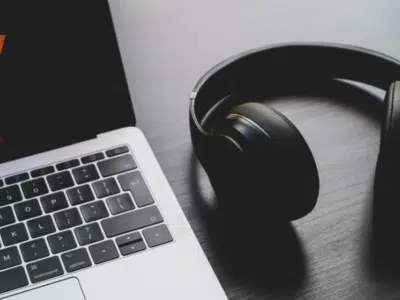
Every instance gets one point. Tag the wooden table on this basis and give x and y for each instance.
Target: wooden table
(167, 45)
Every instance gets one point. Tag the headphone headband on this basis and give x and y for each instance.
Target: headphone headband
(285, 62)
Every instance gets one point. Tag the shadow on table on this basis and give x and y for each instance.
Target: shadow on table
(269, 259)
(383, 243)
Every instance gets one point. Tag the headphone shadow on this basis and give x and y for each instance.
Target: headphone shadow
(275, 260)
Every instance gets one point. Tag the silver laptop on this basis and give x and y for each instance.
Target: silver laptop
(85, 210)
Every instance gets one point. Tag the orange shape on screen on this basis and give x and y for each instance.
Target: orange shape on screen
(2, 38)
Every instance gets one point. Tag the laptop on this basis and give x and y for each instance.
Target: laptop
(85, 210)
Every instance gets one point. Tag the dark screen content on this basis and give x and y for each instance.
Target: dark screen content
(61, 76)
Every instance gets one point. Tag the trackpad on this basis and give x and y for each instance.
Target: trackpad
(69, 289)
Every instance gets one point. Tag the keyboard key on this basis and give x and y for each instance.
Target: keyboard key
(134, 183)
(34, 188)
(14, 234)
(9, 258)
(132, 248)
(92, 158)
(17, 178)
(119, 204)
(131, 238)
(80, 195)
(13, 279)
(60, 181)
(117, 151)
(42, 171)
(157, 235)
(94, 211)
(68, 218)
(45, 269)
(131, 221)
(10, 195)
(85, 174)
(61, 241)
(41, 226)
(27, 209)
(76, 260)
(89, 234)
(103, 252)
(54, 202)
(6, 216)
(67, 164)
(116, 165)
(34, 250)
(130, 243)
(105, 187)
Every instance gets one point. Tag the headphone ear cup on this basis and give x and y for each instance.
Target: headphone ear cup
(387, 172)
(276, 162)
(388, 165)
(386, 185)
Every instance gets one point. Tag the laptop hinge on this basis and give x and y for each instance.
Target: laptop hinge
(101, 135)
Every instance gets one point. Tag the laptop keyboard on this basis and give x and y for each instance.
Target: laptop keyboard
(74, 215)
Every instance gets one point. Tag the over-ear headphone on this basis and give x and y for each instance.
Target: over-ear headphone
(253, 155)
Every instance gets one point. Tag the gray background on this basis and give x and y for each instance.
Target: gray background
(167, 45)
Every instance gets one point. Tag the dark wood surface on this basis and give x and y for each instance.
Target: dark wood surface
(168, 45)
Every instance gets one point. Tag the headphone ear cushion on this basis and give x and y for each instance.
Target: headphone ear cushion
(390, 130)
(292, 162)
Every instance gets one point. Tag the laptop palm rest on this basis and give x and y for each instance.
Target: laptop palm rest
(69, 289)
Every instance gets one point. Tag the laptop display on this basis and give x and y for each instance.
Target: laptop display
(61, 75)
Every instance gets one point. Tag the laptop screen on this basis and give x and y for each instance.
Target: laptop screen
(61, 75)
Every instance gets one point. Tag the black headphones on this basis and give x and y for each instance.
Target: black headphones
(255, 158)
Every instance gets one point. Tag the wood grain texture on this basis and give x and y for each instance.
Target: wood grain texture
(167, 45)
